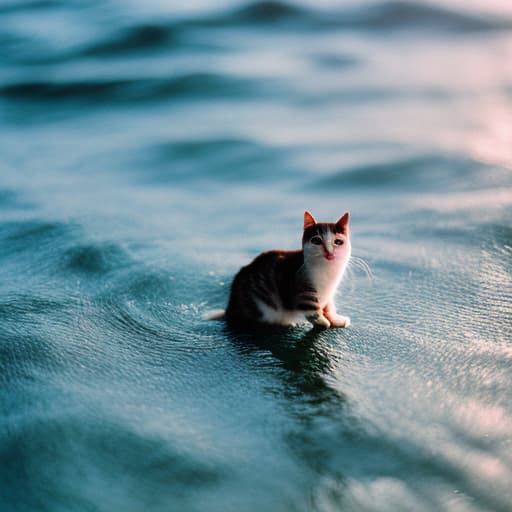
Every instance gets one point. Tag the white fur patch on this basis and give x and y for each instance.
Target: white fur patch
(280, 316)
(325, 275)
(215, 314)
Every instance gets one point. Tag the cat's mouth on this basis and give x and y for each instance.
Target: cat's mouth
(329, 255)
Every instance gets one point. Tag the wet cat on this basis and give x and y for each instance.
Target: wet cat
(289, 287)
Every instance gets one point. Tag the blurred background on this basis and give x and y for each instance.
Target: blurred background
(150, 149)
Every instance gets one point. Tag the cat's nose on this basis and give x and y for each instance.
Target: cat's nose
(329, 251)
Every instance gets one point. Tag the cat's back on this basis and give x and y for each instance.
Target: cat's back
(268, 279)
(276, 257)
(271, 266)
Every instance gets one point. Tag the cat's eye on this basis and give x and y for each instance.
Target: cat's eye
(338, 241)
(316, 240)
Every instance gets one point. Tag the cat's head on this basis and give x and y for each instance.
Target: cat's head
(326, 241)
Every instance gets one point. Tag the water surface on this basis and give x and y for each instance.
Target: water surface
(149, 151)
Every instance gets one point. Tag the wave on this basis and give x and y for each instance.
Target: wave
(95, 258)
(33, 5)
(266, 12)
(193, 85)
(402, 14)
(204, 162)
(24, 237)
(106, 441)
(134, 39)
(166, 33)
(389, 15)
(8, 198)
(12, 307)
(423, 171)
(203, 147)
(48, 251)
(169, 34)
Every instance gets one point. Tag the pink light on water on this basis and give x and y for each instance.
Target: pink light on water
(492, 142)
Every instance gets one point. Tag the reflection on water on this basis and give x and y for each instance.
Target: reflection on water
(492, 143)
(149, 150)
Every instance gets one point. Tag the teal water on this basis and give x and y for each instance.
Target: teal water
(148, 151)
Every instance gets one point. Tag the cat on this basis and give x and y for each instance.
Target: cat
(289, 287)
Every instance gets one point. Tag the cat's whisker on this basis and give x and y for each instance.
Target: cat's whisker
(350, 271)
(356, 261)
(350, 275)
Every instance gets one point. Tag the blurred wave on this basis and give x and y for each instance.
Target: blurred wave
(133, 36)
(126, 90)
(389, 15)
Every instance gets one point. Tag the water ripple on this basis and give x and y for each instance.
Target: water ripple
(191, 85)
(133, 40)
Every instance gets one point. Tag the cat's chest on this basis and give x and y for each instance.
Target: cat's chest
(325, 279)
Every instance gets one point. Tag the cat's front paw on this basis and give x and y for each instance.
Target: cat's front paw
(323, 322)
(320, 321)
(340, 321)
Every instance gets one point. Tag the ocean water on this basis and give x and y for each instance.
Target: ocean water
(149, 150)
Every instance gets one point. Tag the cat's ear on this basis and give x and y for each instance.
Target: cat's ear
(309, 220)
(342, 224)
